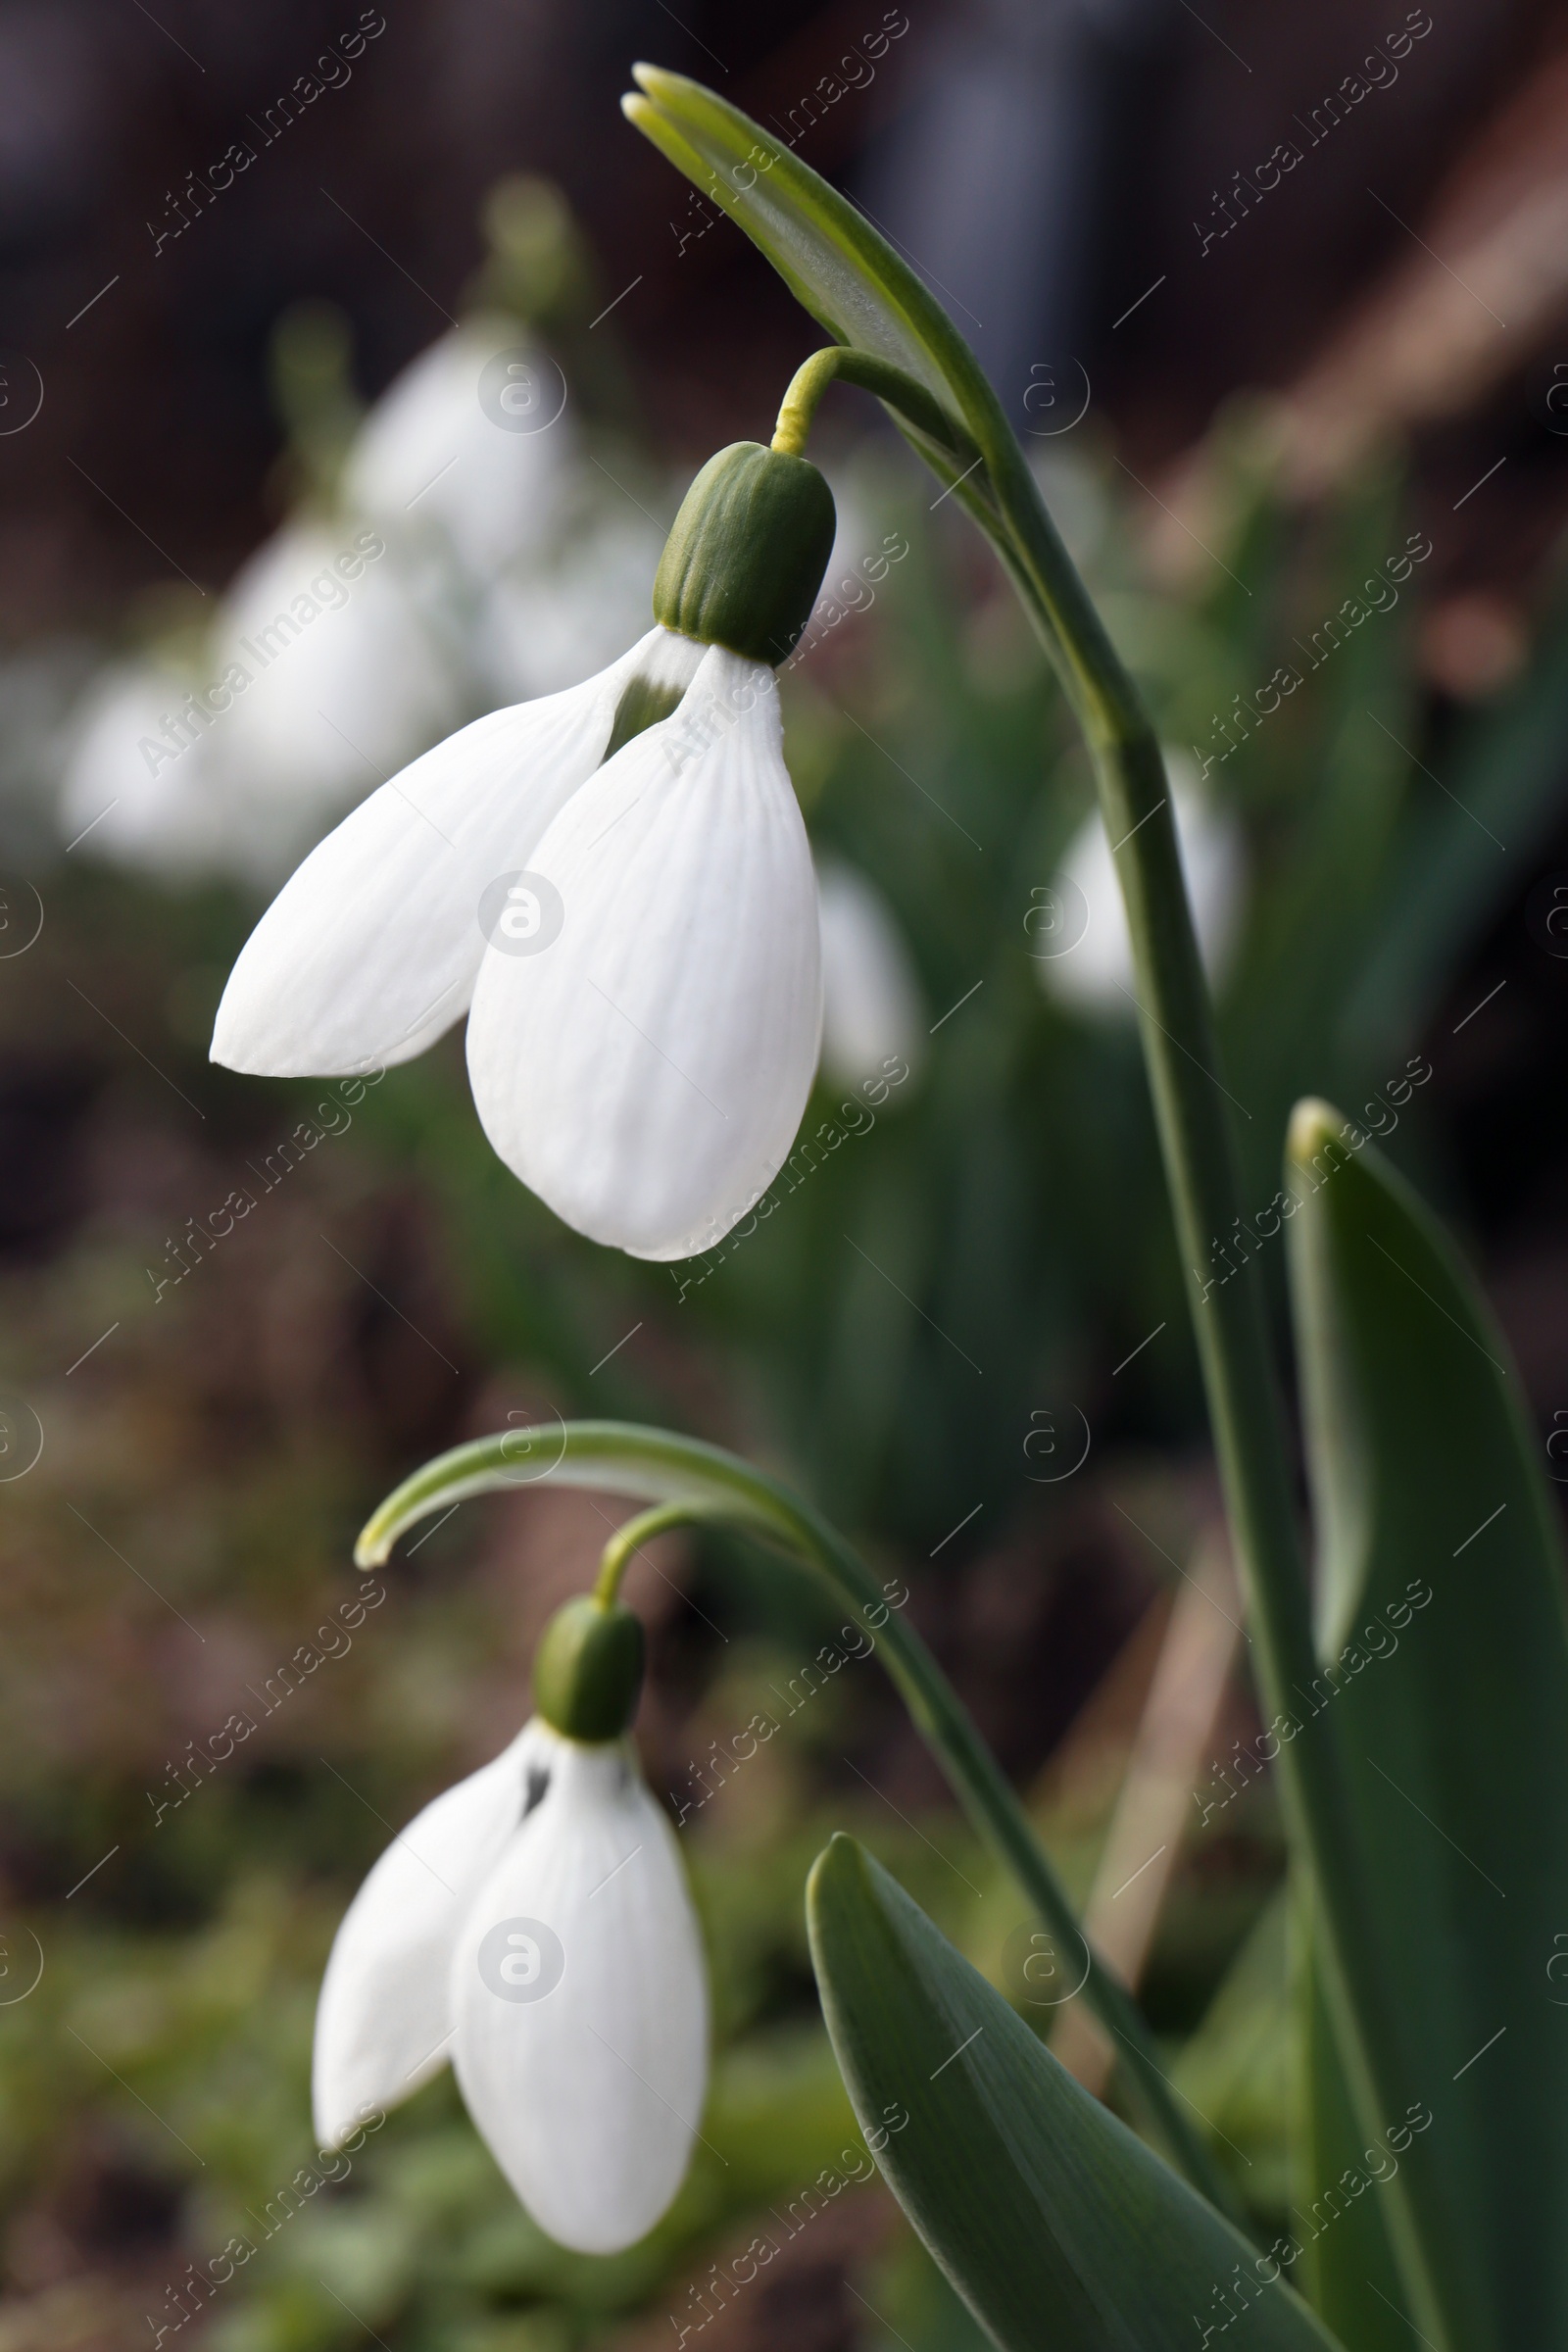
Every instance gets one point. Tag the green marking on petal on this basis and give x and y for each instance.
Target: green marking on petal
(643, 703)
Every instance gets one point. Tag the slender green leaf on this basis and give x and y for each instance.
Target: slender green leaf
(829, 256)
(1443, 1651)
(1062, 2232)
(1348, 2268)
(849, 278)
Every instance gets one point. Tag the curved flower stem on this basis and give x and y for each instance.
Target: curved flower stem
(629, 1539)
(688, 1480)
(837, 362)
(1191, 1109)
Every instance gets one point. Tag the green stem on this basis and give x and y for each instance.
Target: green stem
(837, 361)
(1196, 1144)
(629, 1539)
(1191, 1109)
(686, 1479)
(1199, 1163)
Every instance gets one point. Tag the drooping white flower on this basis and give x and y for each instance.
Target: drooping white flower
(331, 680)
(137, 784)
(532, 1925)
(382, 2023)
(871, 1007)
(614, 880)
(1084, 957)
(446, 454)
(646, 1074)
(639, 940)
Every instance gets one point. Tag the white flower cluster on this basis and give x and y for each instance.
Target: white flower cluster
(476, 557)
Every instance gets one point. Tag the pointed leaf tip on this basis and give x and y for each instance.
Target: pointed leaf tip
(840, 1869)
(834, 261)
(1313, 1123)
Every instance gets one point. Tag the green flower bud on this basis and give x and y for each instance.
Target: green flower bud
(588, 1669)
(745, 560)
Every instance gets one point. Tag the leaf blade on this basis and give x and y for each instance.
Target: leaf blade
(850, 279)
(1062, 2232)
(1348, 2268)
(834, 262)
(1425, 1479)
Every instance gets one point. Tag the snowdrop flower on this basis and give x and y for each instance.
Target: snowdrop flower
(613, 881)
(317, 676)
(481, 460)
(871, 1007)
(333, 678)
(136, 785)
(1086, 960)
(533, 1925)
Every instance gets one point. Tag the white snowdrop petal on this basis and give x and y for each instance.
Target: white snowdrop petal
(645, 1070)
(382, 2024)
(370, 952)
(580, 2006)
(1097, 972)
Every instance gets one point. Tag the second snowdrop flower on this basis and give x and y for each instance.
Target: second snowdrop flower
(613, 881)
(533, 1925)
(1078, 927)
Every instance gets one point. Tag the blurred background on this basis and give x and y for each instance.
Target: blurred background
(1278, 301)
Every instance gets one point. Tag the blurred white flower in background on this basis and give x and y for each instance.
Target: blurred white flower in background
(456, 549)
(470, 554)
(489, 469)
(346, 682)
(871, 1002)
(543, 625)
(1089, 963)
(318, 678)
(137, 786)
